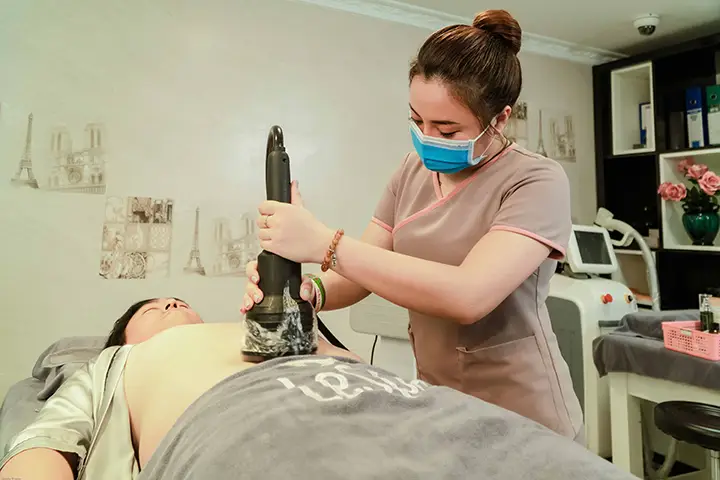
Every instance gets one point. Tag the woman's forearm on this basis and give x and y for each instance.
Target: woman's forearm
(341, 292)
(493, 269)
(406, 281)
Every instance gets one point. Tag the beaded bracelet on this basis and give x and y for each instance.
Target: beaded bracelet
(330, 257)
(319, 289)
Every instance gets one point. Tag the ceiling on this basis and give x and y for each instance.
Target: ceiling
(605, 24)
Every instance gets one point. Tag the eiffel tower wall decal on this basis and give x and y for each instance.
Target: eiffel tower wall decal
(136, 238)
(541, 144)
(235, 244)
(194, 264)
(24, 175)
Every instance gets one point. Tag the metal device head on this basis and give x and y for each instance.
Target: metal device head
(282, 324)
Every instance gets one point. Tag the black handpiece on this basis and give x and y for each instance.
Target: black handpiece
(280, 325)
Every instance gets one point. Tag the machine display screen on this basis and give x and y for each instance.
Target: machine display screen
(593, 248)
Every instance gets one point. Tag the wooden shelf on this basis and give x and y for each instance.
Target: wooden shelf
(696, 248)
(690, 151)
(630, 87)
(701, 155)
(674, 236)
(630, 156)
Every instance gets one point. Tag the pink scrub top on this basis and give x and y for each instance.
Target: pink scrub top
(510, 357)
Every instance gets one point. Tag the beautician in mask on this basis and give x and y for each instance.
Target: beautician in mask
(466, 235)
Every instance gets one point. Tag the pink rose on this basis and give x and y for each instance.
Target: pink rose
(672, 191)
(685, 164)
(709, 183)
(662, 189)
(676, 192)
(696, 171)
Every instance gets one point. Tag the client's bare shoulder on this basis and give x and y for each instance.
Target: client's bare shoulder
(188, 341)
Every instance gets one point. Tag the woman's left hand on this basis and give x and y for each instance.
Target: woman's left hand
(291, 231)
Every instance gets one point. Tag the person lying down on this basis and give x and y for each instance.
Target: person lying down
(171, 397)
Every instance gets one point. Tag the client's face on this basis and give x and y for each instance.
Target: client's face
(159, 315)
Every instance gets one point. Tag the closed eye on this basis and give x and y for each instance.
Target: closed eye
(448, 134)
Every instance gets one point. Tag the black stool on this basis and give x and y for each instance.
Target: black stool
(694, 423)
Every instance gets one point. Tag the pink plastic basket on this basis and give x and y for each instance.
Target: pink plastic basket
(686, 337)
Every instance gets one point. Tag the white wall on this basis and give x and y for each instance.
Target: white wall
(186, 95)
(559, 85)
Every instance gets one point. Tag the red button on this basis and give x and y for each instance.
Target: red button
(607, 298)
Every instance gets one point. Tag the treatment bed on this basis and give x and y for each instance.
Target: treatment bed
(56, 363)
(427, 432)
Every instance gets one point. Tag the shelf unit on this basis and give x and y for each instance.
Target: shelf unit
(629, 171)
(673, 233)
(631, 87)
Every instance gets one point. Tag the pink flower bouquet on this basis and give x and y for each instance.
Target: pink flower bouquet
(702, 194)
(699, 202)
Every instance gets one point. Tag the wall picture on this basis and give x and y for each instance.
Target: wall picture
(136, 238)
(222, 246)
(556, 135)
(77, 167)
(516, 129)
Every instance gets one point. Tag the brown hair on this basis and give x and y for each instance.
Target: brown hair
(478, 63)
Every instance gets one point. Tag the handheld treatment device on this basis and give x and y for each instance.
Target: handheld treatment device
(282, 324)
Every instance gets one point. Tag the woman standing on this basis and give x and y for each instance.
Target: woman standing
(466, 235)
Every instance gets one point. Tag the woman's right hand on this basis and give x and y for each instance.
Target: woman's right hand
(254, 295)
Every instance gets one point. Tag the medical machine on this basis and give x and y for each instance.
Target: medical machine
(582, 306)
(389, 324)
(282, 323)
(606, 220)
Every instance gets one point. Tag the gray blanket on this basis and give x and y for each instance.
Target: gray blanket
(322, 418)
(637, 347)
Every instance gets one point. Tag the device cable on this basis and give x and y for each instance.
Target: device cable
(329, 336)
(372, 351)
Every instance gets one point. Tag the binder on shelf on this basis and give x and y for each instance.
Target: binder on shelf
(712, 98)
(693, 112)
(646, 124)
(676, 131)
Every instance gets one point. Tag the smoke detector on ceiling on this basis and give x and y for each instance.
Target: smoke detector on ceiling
(646, 24)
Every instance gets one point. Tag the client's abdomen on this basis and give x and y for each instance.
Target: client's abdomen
(166, 374)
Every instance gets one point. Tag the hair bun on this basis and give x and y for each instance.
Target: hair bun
(502, 25)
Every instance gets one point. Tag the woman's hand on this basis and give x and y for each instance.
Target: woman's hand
(254, 295)
(291, 231)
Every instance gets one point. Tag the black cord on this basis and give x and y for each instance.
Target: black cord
(329, 336)
(372, 351)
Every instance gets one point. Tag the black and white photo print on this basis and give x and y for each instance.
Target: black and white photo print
(235, 244)
(136, 238)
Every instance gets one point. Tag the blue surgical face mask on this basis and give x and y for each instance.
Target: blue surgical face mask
(444, 155)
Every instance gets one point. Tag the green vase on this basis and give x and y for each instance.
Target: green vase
(702, 227)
